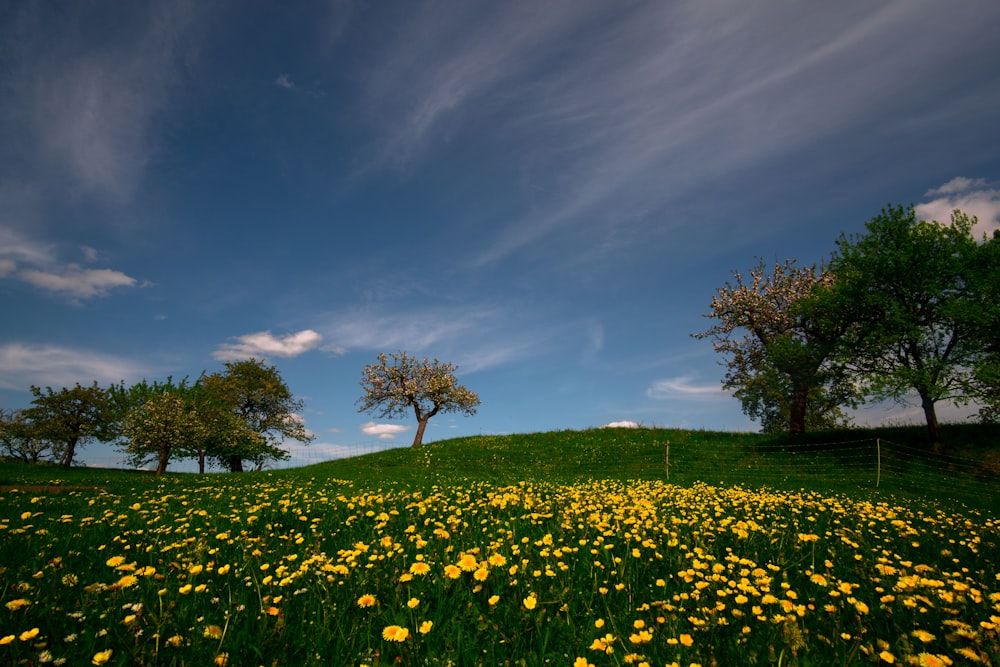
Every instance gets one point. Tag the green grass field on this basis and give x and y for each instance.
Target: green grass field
(602, 547)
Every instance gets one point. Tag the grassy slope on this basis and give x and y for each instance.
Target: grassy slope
(836, 462)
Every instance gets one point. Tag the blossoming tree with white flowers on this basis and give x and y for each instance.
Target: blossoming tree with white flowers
(398, 383)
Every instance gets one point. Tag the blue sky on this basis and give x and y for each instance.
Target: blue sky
(544, 193)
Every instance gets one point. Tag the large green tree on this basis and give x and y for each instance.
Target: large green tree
(780, 345)
(907, 284)
(399, 383)
(69, 418)
(258, 397)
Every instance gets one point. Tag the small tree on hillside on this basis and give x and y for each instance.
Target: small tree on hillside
(68, 418)
(399, 383)
(18, 440)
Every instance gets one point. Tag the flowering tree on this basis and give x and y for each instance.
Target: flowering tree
(780, 343)
(399, 383)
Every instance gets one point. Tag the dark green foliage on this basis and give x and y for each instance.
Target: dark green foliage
(69, 418)
(906, 283)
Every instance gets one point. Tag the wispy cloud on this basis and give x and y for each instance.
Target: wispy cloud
(76, 282)
(969, 195)
(654, 100)
(23, 364)
(284, 81)
(384, 431)
(265, 344)
(91, 108)
(684, 388)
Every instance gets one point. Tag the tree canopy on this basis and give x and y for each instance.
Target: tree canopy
(399, 383)
(780, 346)
(258, 397)
(69, 418)
(907, 283)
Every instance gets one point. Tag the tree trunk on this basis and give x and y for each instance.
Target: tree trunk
(797, 410)
(235, 463)
(933, 428)
(201, 462)
(419, 437)
(66, 460)
(162, 465)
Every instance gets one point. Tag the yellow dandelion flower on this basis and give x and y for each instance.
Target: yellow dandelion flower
(224, 569)
(686, 640)
(481, 574)
(931, 660)
(222, 660)
(530, 602)
(212, 632)
(185, 589)
(6, 639)
(115, 561)
(413, 602)
(420, 568)
(196, 569)
(497, 560)
(175, 641)
(101, 657)
(468, 563)
(452, 571)
(395, 633)
(923, 636)
(14, 605)
(28, 635)
(366, 600)
(493, 600)
(425, 627)
(127, 581)
(808, 537)
(887, 657)
(272, 611)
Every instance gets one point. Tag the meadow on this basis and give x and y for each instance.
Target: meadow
(609, 547)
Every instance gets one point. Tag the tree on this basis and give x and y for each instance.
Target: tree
(906, 282)
(258, 397)
(426, 387)
(18, 439)
(159, 427)
(985, 312)
(780, 346)
(69, 418)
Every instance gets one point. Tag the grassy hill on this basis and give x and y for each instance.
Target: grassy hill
(536, 549)
(898, 461)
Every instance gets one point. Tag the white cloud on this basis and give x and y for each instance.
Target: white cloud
(682, 388)
(972, 196)
(77, 282)
(15, 247)
(384, 431)
(22, 365)
(265, 344)
(957, 184)
(622, 424)
(283, 81)
(7, 267)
